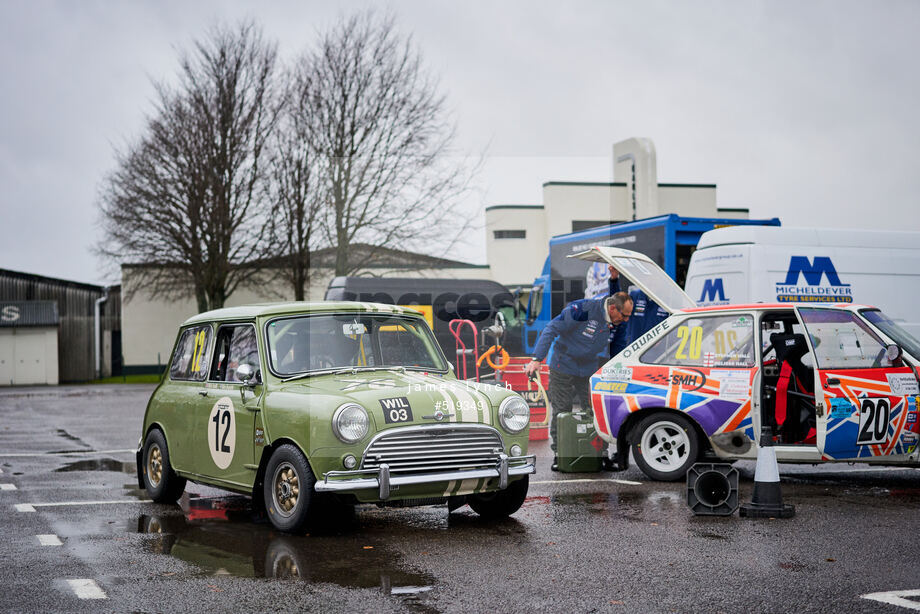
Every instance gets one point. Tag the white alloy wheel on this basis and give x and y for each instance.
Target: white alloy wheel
(665, 446)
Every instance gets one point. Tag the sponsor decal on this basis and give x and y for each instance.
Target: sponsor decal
(396, 409)
(616, 372)
(909, 438)
(713, 293)
(642, 341)
(709, 359)
(813, 290)
(902, 384)
(694, 381)
(841, 408)
(260, 437)
(610, 386)
(911, 417)
(732, 383)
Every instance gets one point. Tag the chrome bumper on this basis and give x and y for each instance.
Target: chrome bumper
(380, 478)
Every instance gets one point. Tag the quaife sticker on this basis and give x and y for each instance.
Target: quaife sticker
(222, 432)
(902, 384)
(396, 409)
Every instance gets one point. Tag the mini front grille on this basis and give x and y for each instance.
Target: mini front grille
(432, 449)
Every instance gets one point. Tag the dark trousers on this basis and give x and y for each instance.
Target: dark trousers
(563, 390)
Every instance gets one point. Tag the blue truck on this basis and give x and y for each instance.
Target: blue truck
(669, 240)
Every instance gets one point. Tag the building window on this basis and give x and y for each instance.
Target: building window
(510, 234)
(578, 225)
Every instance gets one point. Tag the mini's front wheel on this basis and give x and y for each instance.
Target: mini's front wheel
(288, 489)
(161, 482)
(501, 503)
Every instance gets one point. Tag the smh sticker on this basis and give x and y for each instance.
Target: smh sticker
(813, 290)
(713, 293)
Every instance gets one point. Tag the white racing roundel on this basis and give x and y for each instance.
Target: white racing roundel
(222, 432)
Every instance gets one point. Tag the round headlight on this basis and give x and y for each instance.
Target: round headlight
(350, 422)
(514, 414)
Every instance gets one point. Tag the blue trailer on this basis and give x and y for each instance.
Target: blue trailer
(669, 240)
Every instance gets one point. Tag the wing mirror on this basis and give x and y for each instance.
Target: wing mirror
(246, 374)
(893, 352)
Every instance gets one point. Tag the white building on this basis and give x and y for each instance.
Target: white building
(517, 236)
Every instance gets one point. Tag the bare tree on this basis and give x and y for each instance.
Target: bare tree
(295, 195)
(184, 201)
(383, 143)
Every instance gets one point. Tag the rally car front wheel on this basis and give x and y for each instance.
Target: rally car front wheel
(665, 445)
(288, 489)
(501, 503)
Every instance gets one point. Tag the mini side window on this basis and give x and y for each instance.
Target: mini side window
(236, 345)
(715, 341)
(190, 361)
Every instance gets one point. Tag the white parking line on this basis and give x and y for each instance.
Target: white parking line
(7, 487)
(49, 540)
(67, 503)
(24, 507)
(896, 598)
(65, 453)
(86, 589)
(582, 480)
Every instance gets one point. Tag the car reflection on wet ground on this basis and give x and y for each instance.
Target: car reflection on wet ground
(224, 536)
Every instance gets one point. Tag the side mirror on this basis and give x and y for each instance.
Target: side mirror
(246, 374)
(893, 352)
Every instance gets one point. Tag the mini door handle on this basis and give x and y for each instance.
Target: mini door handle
(203, 393)
(832, 381)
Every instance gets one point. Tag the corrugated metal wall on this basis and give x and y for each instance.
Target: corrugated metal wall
(75, 301)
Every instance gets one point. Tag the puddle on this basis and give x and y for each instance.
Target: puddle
(223, 536)
(99, 464)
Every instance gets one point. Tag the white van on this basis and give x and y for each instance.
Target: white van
(769, 264)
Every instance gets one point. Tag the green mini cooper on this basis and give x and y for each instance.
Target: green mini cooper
(288, 401)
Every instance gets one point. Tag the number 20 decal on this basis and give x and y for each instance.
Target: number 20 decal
(874, 415)
(695, 336)
(222, 432)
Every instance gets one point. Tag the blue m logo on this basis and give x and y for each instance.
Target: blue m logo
(812, 271)
(713, 290)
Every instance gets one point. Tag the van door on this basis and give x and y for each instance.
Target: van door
(863, 412)
(644, 273)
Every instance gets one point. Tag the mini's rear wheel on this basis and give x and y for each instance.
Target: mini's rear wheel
(288, 489)
(161, 482)
(501, 503)
(665, 445)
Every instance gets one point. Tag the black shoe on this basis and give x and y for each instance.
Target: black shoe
(607, 464)
(555, 465)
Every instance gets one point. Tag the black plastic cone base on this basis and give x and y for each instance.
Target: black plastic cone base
(766, 510)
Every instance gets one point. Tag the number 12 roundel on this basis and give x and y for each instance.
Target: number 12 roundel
(222, 432)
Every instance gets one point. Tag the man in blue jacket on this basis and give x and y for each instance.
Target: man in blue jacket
(580, 333)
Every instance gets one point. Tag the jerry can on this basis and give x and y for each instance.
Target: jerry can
(579, 448)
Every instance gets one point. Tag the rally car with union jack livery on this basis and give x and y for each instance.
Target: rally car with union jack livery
(833, 382)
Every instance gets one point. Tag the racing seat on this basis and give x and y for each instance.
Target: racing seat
(794, 412)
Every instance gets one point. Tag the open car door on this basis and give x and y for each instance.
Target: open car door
(644, 273)
(866, 402)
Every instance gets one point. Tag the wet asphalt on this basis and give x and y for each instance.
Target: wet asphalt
(607, 542)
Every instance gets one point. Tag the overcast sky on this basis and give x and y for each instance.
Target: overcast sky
(803, 110)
